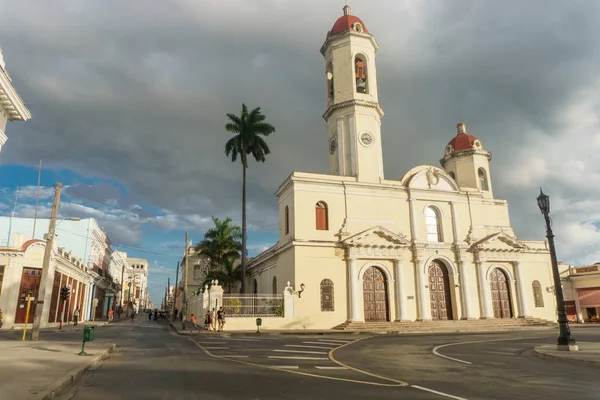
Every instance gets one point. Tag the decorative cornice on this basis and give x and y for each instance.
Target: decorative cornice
(394, 239)
(10, 101)
(350, 103)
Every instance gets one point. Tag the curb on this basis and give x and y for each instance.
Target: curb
(365, 332)
(550, 357)
(60, 384)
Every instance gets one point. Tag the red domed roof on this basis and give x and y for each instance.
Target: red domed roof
(462, 141)
(346, 22)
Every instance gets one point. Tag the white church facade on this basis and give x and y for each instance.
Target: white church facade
(435, 245)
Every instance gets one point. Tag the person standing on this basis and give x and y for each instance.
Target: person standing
(213, 320)
(111, 313)
(193, 321)
(76, 316)
(220, 319)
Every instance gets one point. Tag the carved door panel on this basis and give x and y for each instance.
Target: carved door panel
(375, 295)
(500, 294)
(30, 283)
(439, 292)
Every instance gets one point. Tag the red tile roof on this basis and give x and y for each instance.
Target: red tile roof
(346, 23)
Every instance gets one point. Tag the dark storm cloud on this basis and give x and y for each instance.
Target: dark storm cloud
(138, 91)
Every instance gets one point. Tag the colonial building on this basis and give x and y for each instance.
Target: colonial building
(20, 274)
(136, 285)
(12, 107)
(434, 245)
(581, 288)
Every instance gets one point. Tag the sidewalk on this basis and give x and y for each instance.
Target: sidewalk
(588, 354)
(36, 370)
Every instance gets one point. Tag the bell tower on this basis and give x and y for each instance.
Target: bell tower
(353, 113)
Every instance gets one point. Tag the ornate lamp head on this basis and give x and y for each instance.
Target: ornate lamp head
(543, 201)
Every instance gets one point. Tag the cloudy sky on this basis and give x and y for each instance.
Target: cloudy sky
(129, 100)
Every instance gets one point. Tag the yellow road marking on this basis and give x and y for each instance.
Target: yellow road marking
(274, 368)
(332, 358)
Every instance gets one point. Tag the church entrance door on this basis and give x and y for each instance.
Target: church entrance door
(439, 291)
(500, 294)
(375, 295)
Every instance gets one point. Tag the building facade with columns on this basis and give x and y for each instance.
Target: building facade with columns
(434, 245)
(20, 277)
(12, 107)
(136, 285)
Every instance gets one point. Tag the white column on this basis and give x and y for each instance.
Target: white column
(413, 220)
(353, 291)
(422, 291)
(455, 231)
(522, 288)
(466, 294)
(400, 292)
(484, 292)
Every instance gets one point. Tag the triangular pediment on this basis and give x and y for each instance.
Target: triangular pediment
(376, 237)
(499, 241)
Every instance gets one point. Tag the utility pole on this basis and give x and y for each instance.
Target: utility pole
(185, 281)
(41, 295)
(175, 292)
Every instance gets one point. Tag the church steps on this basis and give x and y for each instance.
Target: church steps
(499, 324)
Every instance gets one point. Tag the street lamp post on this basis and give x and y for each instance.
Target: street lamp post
(565, 340)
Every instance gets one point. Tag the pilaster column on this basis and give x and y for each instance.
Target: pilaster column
(422, 291)
(400, 292)
(522, 291)
(466, 294)
(484, 292)
(353, 290)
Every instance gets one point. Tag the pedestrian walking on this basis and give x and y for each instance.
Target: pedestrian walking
(76, 316)
(132, 315)
(207, 321)
(111, 313)
(156, 315)
(193, 321)
(149, 315)
(213, 320)
(119, 311)
(220, 319)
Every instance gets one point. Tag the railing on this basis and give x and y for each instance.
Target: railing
(252, 305)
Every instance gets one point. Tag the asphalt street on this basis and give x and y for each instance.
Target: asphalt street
(156, 363)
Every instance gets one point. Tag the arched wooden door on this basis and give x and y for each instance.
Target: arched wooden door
(500, 294)
(375, 295)
(439, 291)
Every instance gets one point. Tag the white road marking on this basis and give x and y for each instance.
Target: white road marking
(301, 351)
(335, 341)
(245, 340)
(324, 367)
(236, 356)
(298, 358)
(307, 347)
(322, 343)
(435, 350)
(286, 366)
(438, 393)
(217, 348)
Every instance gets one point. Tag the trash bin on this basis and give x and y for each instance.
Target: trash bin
(88, 333)
(258, 321)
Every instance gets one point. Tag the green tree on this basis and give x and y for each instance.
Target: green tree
(249, 129)
(221, 243)
(229, 275)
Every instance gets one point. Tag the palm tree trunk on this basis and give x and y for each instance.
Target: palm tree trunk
(243, 223)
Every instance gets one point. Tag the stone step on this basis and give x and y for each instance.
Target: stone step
(452, 324)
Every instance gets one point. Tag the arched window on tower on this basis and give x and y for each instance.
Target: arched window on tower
(322, 220)
(360, 73)
(432, 222)
(330, 88)
(327, 295)
(286, 221)
(538, 296)
(483, 183)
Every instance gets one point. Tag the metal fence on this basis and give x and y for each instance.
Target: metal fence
(252, 305)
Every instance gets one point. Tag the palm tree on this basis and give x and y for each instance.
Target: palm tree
(228, 275)
(221, 242)
(249, 127)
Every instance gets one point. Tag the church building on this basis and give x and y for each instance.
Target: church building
(435, 245)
